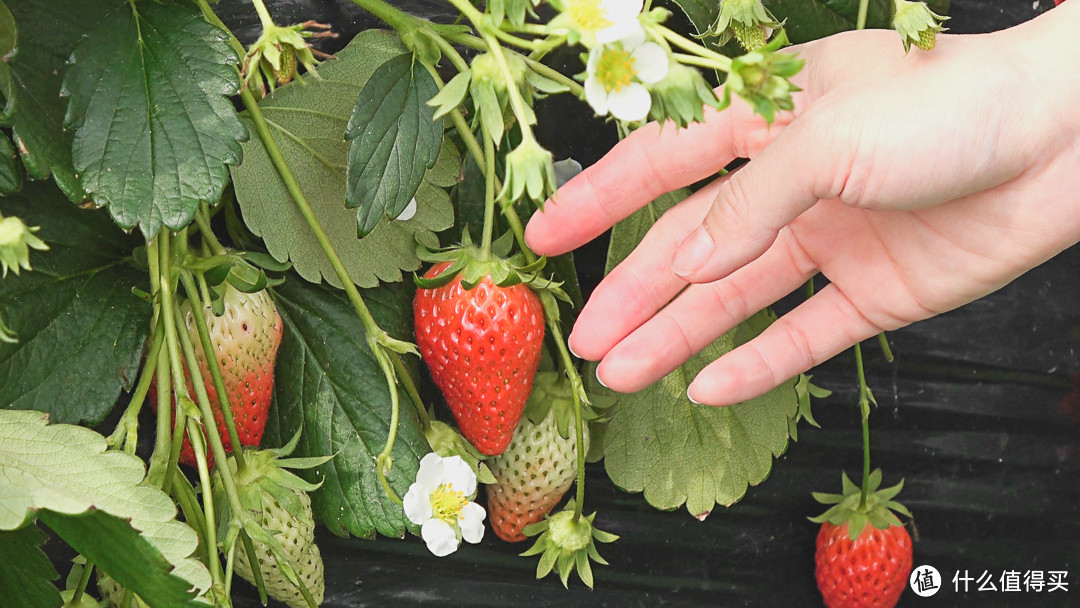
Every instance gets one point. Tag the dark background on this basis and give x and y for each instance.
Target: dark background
(980, 414)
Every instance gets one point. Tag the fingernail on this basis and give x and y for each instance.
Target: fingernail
(693, 252)
(692, 400)
(598, 377)
(570, 347)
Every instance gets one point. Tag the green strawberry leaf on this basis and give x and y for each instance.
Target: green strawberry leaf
(809, 19)
(308, 122)
(95, 500)
(25, 579)
(328, 382)
(154, 128)
(48, 32)
(395, 140)
(676, 452)
(80, 329)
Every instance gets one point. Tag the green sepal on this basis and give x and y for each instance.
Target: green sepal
(879, 509)
(446, 442)
(451, 95)
(566, 544)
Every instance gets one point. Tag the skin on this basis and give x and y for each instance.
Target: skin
(915, 183)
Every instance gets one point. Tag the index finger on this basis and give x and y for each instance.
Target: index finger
(651, 161)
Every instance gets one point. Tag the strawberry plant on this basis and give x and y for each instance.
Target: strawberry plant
(233, 231)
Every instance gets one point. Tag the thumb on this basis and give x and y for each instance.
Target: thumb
(756, 201)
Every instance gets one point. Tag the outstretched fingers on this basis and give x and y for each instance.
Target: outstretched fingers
(823, 326)
(701, 314)
(649, 162)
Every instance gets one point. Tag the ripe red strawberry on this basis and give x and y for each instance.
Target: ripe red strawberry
(869, 572)
(482, 347)
(864, 554)
(246, 336)
(540, 464)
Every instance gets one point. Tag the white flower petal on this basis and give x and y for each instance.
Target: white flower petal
(431, 473)
(650, 62)
(594, 58)
(472, 522)
(630, 33)
(440, 537)
(596, 95)
(407, 213)
(459, 475)
(621, 10)
(630, 103)
(417, 504)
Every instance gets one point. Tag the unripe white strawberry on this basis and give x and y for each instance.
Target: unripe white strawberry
(538, 466)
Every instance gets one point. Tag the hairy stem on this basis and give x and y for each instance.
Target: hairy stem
(864, 411)
(489, 194)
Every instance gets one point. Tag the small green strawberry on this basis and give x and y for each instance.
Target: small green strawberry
(863, 554)
(482, 347)
(247, 336)
(540, 464)
(279, 499)
(917, 24)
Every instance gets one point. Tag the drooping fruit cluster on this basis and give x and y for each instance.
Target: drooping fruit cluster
(482, 347)
(863, 552)
(539, 465)
(246, 337)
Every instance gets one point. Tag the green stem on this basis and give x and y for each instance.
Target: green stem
(80, 589)
(413, 393)
(864, 8)
(396, 18)
(249, 547)
(198, 307)
(503, 35)
(886, 350)
(184, 494)
(701, 62)
(264, 15)
(210, 529)
(126, 434)
(292, 186)
(455, 57)
(517, 102)
(202, 219)
(864, 410)
(809, 288)
(489, 195)
(547, 71)
(677, 40)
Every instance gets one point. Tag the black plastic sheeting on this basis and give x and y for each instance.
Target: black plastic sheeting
(980, 415)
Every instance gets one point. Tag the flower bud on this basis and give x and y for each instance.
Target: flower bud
(16, 240)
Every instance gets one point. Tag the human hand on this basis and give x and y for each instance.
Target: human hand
(914, 183)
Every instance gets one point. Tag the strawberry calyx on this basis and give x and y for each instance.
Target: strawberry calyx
(567, 543)
(473, 264)
(879, 508)
(446, 442)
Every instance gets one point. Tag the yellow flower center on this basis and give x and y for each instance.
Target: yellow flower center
(588, 14)
(615, 69)
(446, 503)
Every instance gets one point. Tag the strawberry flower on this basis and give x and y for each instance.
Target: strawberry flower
(440, 503)
(616, 75)
(595, 22)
